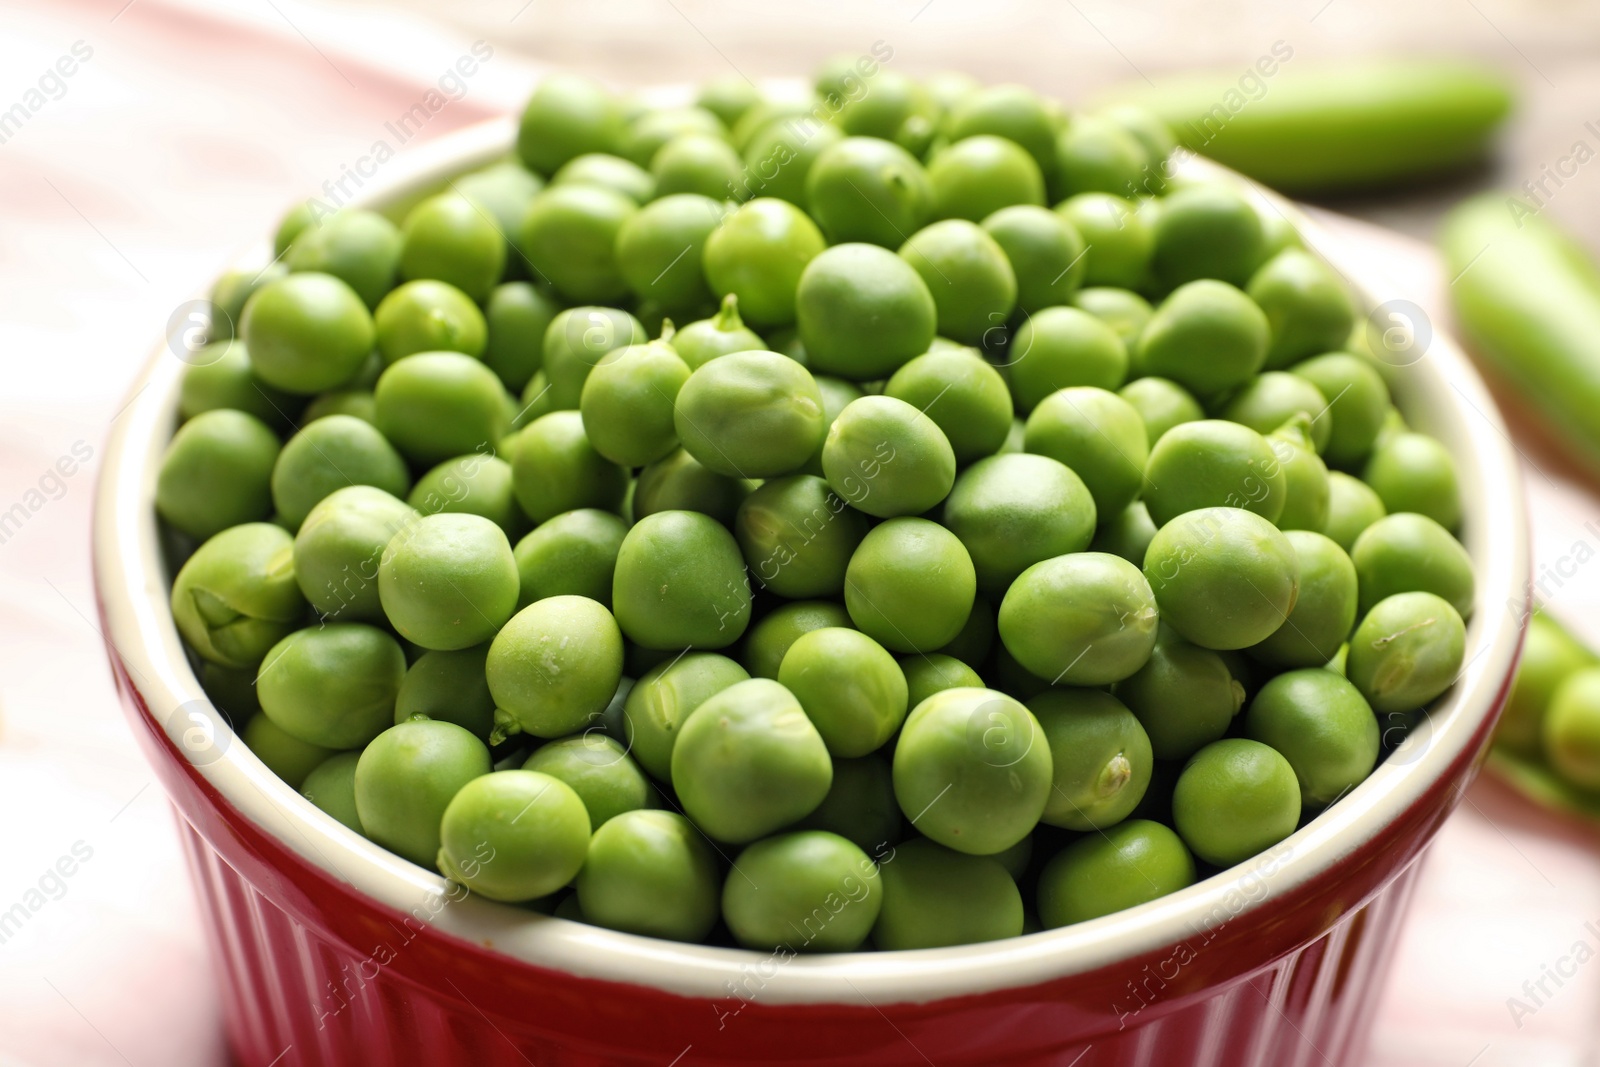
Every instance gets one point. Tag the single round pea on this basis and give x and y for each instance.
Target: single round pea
(934, 898)
(285, 755)
(651, 131)
(1207, 336)
(1184, 696)
(554, 667)
(306, 332)
(331, 786)
(1324, 610)
(1082, 619)
(964, 396)
(680, 583)
(1061, 347)
(973, 286)
(1013, 112)
(222, 379)
(1099, 435)
(554, 469)
(1152, 133)
(570, 235)
(983, 757)
(1305, 504)
(1100, 756)
(1235, 799)
(608, 172)
(697, 163)
(328, 455)
(1413, 472)
(887, 458)
(1549, 655)
(599, 770)
(758, 254)
(1127, 534)
(429, 316)
(779, 155)
(518, 315)
(1357, 403)
(659, 249)
(797, 536)
(360, 248)
(338, 547)
(452, 239)
(860, 805)
(231, 291)
(1406, 651)
(849, 686)
(1096, 155)
(977, 176)
(665, 696)
(627, 403)
(437, 405)
(679, 482)
(867, 189)
(474, 484)
(236, 597)
(1162, 404)
(566, 116)
(1571, 729)
(504, 190)
(1122, 867)
(513, 835)
(1124, 311)
(703, 340)
(1274, 397)
(808, 891)
(750, 415)
(1322, 725)
(1013, 511)
(748, 762)
(910, 585)
(1224, 578)
(216, 473)
(1408, 552)
(769, 639)
(571, 554)
(1207, 230)
(332, 686)
(1117, 237)
(651, 873)
(449, 687)
(1213, 463)
(728, 97)
(894, 107)
(405, 780)
(449, 582)
(862, 311)
(1306, 305)
(1352, 507)
(930, 673)
(1045, 252)
(295, 221)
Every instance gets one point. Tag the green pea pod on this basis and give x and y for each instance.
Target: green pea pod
(1528, 303)
(1332, 127)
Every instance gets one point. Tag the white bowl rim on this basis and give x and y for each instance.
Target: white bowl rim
(1444, 395)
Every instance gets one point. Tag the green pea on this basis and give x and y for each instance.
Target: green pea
(328, 455)
(1082, 619)
(1163, 404)
(1272, 398)
(449, 687)
(862, 312)
(1153, 135)
(436, 405)
(518, 315)
(360, 248)
(1099, 435)
(659, 249)
(1306, 305)
(758, 254)
(357, 403)
(1358, 401)
(236, 596)
(748, 762)
(866, 189)
(576, 340)
(697, 163)
(910, 585)
(1127, 534)
(554, 469)
(1013, 511)
(1324, 610)
(429, 316)
(1126, 312)
(608, 172)
(665, 696)
(1096, 155)
(973, 286)
(1549, 655)
(1184, 696)
(650, 873)
(887, 458)
(1207, 336)
(860, 805)
(599, 770)
(332, 686)
(1045, 252)
(703, 340)
(930, 673)
(222, 378)
(770, 638)
(1207, 230)
(1100, 756)
(852, 690)
(627, 403)
(1224, 578)
(934, 898)
(407, 777)
(1305, 503)
(554, 667)
(1408, 552)
(216, 473)
(778, 158)
(962, 394)
(475, 484)
(1235, 799)
(679, 482)
(981, 755)
(1571, 729)
(331, 786)
(566, 117)
(651, 131)
(1123, 867)
(728, 97)
(449, 582)
(1413, 472)
(893, 107)
(306, 332)
(338, 547)
(570, 234)
(451, 238)
(1013, 112)
(977, 176)
(285, 755)
(797, 536)
(1117, 238)
(808, 891)
(1352, 507)
(1322, 725)
(750, 414)
(1407, 650)
(680, 583)
(513, 836)
(571, 554)
(1061, 347)
(504, 190)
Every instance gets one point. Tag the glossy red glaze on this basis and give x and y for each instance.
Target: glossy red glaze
(314, 972)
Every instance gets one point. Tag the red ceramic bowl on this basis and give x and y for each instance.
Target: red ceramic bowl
(330, 950)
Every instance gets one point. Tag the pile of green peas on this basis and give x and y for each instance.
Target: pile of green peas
(962, 526)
